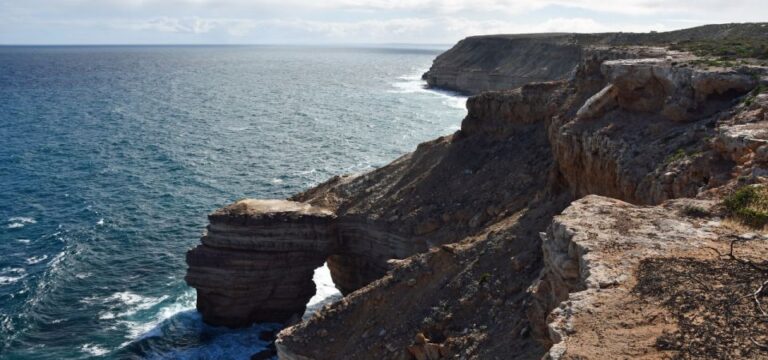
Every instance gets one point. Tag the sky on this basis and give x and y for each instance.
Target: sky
(345, 21)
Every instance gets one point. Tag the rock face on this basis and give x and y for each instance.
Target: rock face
(486, 63)
(256, 261)
(502, 62)
(623, 139)
(456, 250)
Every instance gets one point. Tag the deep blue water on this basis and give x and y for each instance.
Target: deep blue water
(111, 157)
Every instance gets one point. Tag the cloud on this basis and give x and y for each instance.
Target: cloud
(630, 7)
(168, 24)
(437, 29)
(25, 21)
(244, 27)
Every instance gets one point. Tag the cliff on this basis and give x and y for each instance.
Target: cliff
(499, 62)
(576, 218)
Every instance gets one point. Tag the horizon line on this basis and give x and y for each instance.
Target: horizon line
(221, 44)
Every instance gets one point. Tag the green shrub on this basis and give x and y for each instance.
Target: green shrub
(680, 154)
(749, 205)
(726, 49)
(696, 211)
(750, 98)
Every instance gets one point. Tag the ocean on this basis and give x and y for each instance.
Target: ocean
(111, 158)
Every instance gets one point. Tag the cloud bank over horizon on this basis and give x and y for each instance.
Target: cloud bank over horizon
(344, 21)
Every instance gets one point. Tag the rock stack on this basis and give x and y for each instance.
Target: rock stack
(255, 262)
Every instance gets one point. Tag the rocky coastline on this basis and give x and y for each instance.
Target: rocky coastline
(540, 228)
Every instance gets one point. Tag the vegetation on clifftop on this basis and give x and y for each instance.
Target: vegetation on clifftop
(731, 49)
(749, 205)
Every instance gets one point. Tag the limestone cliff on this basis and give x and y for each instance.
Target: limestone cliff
(500, 62)
(457, 250)
(256, 260)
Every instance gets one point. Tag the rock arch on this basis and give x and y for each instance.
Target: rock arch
(256, 259)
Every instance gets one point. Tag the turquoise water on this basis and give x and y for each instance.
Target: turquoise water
(111, 157)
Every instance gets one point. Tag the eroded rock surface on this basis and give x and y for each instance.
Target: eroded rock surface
(589, 290)
(441, 254)
(625, 141)
(256, 261)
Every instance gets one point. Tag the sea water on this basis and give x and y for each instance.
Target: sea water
(111, 157)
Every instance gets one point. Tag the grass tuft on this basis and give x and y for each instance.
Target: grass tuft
(749, 205)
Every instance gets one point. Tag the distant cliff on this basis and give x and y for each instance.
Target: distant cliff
(498, 62)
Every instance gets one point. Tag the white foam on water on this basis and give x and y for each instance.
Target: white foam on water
(36, 259)
(17, 222)
(93, 349)
(24, 219)
(135, 302)
(226, 345)
(326, 291)
(106, 315)
(54, 264)
(23, 241)
(411, 84)
(277, 181)
(100, 222)
(11, 275)
(456, 101)
(7, 280)
(140, 329)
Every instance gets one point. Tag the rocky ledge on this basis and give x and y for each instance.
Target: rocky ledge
(457, 250)
(625, 280)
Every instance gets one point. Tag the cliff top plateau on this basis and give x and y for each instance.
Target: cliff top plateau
(497, 62)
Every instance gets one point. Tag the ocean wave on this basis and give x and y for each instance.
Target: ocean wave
(23, 241)
(36, 259)
(17, 222)
(93, 349)
(456, 102)
(411, 84)
(144, 327)
(133, 301)
(11, 275)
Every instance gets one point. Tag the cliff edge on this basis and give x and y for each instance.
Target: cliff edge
(500, 62)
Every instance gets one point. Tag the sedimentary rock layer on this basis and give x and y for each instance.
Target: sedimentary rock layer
(623, 138)
(256, 261)
(501, 62)
(504, 62)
